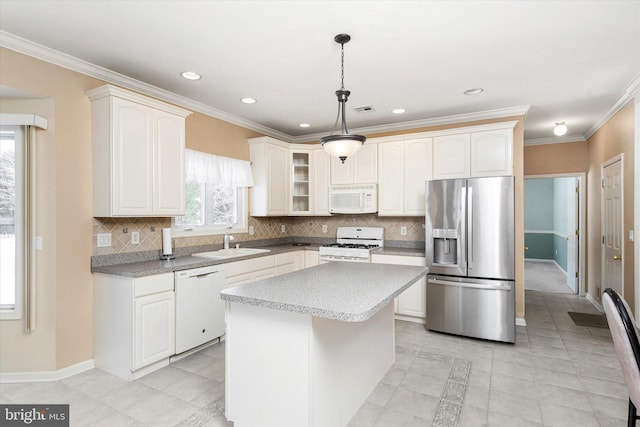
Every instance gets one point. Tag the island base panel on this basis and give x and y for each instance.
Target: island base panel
(348, 361)
(288, 369)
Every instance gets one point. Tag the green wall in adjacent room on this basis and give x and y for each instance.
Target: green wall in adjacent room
(540, 245)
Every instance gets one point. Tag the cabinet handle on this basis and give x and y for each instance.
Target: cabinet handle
(526, 248)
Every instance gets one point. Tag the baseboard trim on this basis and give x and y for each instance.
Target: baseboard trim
(520, 321)
(46, 376)
(410, 318)
(595, 303)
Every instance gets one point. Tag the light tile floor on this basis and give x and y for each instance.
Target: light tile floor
(557, 374)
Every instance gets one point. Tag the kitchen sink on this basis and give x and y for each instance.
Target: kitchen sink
(231, 252)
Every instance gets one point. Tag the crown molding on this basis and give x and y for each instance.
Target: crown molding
(435, 121)
(38, 51)
(627, 95)
(554, 140)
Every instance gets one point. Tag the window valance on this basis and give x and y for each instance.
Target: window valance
(218, 170)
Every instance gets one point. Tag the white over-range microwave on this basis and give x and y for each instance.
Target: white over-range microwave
(353, 199)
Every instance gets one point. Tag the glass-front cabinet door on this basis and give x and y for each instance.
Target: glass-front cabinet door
(300, 183)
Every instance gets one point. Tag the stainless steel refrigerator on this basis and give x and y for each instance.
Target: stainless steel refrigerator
(469, 247)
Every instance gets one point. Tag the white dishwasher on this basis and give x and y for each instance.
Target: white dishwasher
(199, 308)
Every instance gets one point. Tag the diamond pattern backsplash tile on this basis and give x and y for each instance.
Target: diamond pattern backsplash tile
(150, 230)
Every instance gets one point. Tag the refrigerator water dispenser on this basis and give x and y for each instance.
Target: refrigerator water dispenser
(445, 246)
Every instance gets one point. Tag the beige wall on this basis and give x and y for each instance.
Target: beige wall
(38, 348)
(65, 326)
(556, 158)
(615, 137)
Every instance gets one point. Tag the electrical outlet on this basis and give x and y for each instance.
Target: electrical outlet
(38, 243)
(251, 230)
(103, 240)
(324, 228)
(135, 237)
(283, 228)
(403, 231)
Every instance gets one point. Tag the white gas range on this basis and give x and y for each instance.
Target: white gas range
(354, 244)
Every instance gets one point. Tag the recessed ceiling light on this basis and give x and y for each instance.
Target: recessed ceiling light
(399, 111)
(248, 100)
(190, 75)
(560, 129)
(474, 91)
(304, 125)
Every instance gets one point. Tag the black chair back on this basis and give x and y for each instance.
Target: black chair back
(626, 322)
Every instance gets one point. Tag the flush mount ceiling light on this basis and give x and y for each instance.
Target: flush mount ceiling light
(190, 75)
(343, 144)
(474, 91)
(304, 125)
(248, 101)
(399, 111)
(560, 129)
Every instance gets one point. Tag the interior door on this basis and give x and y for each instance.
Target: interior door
(612, 276)
(572, 239)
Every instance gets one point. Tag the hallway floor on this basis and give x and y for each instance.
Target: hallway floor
(557, 374)
(545, 276)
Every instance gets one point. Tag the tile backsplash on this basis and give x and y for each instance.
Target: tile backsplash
(150, 230)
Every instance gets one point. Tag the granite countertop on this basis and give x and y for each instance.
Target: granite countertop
(398, 251)
(157, 266)
(345, 291)
(149, 268)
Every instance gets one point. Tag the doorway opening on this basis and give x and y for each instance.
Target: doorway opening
(553, 223)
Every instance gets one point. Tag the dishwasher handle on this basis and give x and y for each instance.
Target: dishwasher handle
(501, 287)
(205, 275)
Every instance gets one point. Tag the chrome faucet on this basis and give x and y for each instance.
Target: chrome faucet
(227, 238)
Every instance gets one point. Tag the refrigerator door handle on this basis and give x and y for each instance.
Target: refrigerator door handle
(470, 226)
(470, 285)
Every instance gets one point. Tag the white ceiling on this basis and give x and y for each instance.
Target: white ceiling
(572, 61)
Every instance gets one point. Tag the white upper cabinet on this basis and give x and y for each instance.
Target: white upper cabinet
(289, 179)
(361, 168)
(403, 169)
(391, 178)
(138, 155)
(320, 182)
(300, 202)
(270, 164)
(451, 156)
(418, 169)
(492, 153)
(485, 150)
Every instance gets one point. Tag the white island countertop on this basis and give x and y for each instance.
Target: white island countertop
(345, 291)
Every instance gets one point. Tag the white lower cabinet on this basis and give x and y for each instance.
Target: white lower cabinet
(412, 303)
(134, 323)
(311, 258)
(154, 327)
(252, 270)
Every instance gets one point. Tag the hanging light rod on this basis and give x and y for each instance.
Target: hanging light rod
(343, 144)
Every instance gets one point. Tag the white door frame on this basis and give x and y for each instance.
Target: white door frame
(636, 211)
(620, 158)
(581, 178)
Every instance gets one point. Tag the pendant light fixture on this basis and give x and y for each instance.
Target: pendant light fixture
(343, 144)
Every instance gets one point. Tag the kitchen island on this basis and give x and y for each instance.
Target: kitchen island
(307, 348)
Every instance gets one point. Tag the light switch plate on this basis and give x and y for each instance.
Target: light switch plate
(631, 236)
